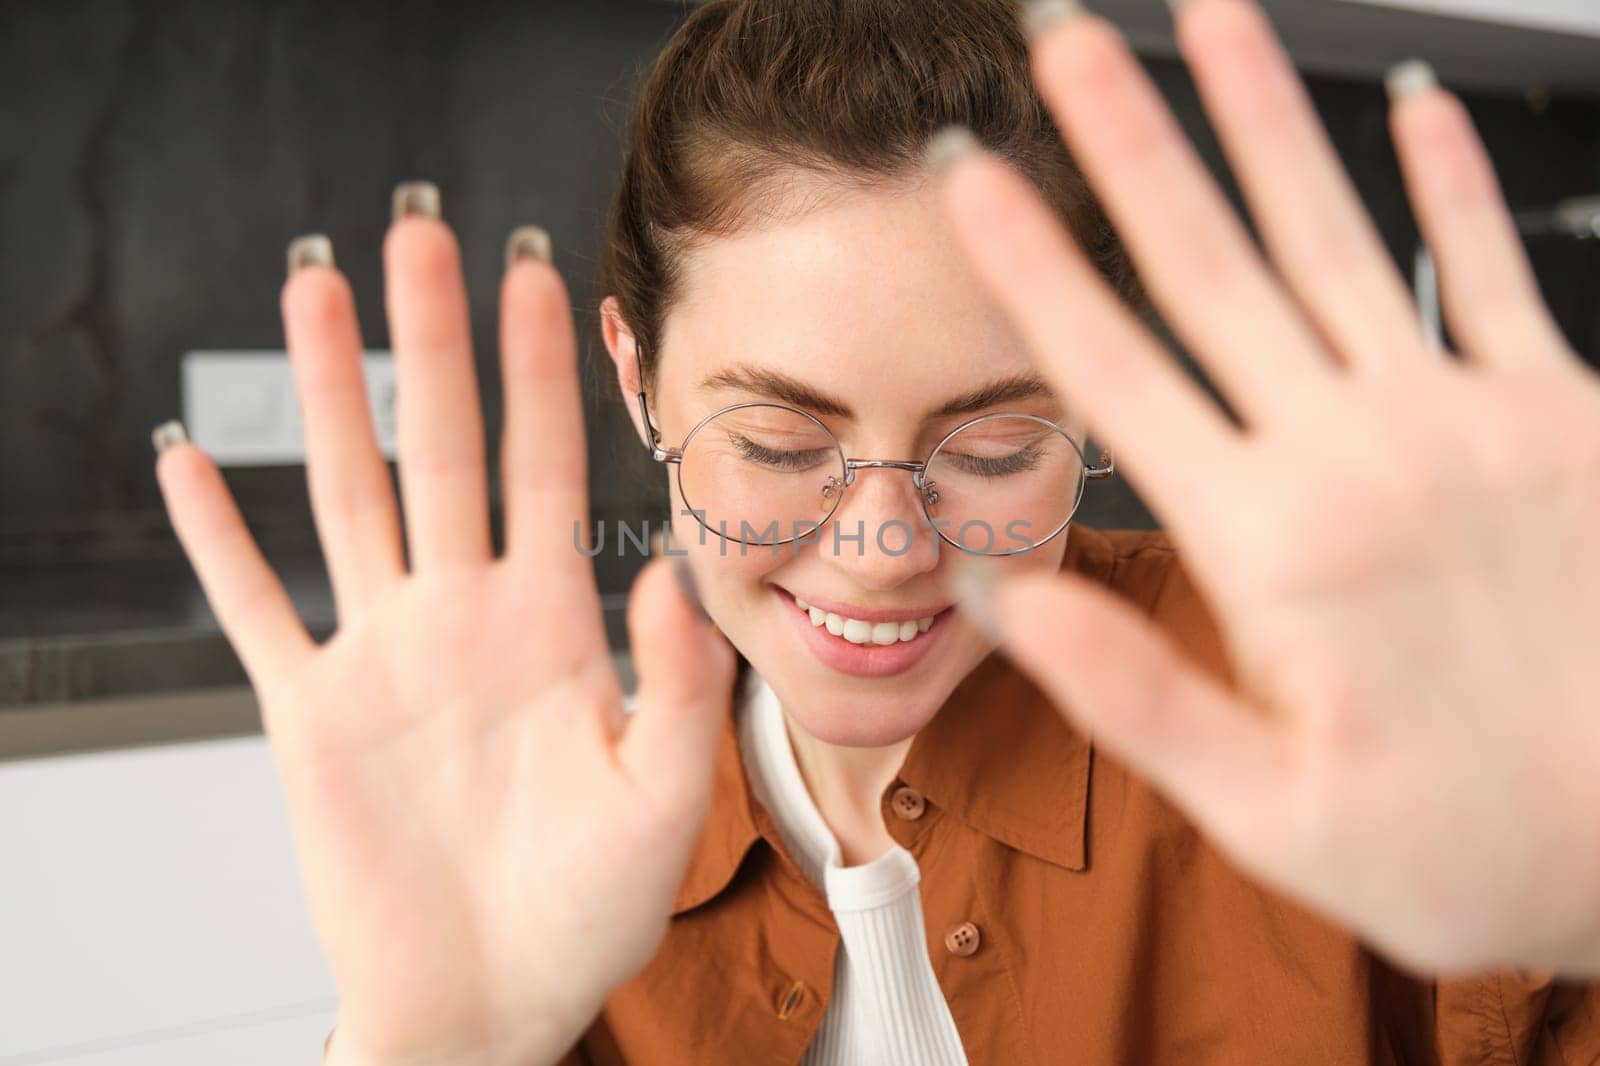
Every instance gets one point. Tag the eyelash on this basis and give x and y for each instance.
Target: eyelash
(773, 457)
(1015, 463)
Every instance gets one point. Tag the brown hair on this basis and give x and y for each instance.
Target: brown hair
(748, 92)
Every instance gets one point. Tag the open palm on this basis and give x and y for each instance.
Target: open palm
(489, 844)
(1398, 545)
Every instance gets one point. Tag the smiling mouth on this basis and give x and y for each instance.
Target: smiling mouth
(860, 631)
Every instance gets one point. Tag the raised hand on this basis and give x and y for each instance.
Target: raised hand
(1400, 547)
(488, 843)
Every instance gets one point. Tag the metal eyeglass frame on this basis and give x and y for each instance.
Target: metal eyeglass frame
(927, 491)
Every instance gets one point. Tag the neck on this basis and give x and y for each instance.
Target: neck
(847, 786)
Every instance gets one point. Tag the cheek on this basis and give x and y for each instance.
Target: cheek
(731, 577)
(1048, 558)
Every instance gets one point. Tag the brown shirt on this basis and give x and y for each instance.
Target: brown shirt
(1106, 930)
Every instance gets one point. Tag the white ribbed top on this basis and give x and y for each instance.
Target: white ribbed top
(887, 1008)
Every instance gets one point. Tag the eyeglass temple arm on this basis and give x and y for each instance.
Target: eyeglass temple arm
(657, 452)
(1104, 468)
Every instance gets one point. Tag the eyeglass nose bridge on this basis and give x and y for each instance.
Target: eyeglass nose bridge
(852, 465)
(929, 491)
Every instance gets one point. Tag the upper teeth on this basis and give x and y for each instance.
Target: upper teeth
(857, 631)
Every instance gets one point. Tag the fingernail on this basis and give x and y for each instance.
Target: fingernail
(975, 580)
(949, 146)
(685, 578)
(169, 435)
(1408, 79)
(527, 242)
(314, 249)
(1039, 15)
(416, 198)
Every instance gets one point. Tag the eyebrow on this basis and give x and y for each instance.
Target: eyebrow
(1003, 390)
(778, 385)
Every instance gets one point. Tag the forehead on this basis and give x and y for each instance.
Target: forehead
(866, 289)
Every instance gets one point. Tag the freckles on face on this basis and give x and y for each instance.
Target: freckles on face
(868, 306)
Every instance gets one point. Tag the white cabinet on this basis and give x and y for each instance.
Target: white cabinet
(151, 913)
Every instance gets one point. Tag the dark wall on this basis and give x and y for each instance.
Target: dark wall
(155, 160)
(158, 158)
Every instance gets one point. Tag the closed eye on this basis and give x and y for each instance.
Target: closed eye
(776, 458)
(1017, 462)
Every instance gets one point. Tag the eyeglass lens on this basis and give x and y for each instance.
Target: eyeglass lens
(766, 474)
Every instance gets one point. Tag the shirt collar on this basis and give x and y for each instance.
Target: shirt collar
(998, 757)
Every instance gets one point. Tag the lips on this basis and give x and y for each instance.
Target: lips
(882, 643)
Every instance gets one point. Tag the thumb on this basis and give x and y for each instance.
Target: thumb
(685, 671)
(1111, 670)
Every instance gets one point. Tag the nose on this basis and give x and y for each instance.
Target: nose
(880, 534)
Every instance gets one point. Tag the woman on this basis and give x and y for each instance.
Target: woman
(890, 847)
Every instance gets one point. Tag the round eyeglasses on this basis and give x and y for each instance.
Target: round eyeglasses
(768, 474)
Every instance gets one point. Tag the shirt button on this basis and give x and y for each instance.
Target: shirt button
(908, 803)
(962, 939)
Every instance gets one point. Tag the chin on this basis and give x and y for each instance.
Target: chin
(860, 723)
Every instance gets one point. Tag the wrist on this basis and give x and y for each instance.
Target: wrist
(1582, 961)
(1586, 961)
(546, 1048)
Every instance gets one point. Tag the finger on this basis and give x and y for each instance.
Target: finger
(439, 415)
(1113, 673)
(1194, 255)
(249, 601)
(1489, 294)
(685, 670)
(1165, 431)
(352, 499)
(1303, 203)
(544, 451)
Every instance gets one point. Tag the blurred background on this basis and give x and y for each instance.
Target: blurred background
(155, 159)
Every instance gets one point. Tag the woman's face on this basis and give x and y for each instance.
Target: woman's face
(864, 313)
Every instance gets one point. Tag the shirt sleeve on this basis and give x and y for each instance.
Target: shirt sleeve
(1516, 1019)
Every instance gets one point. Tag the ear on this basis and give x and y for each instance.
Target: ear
(624, 357)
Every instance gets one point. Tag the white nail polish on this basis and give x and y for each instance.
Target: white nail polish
(1408, 79)
(948, 147)
(1040, 15)
(314, 249)
(416, 198)
(528, 242)
(168, 435)
(974, 581)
